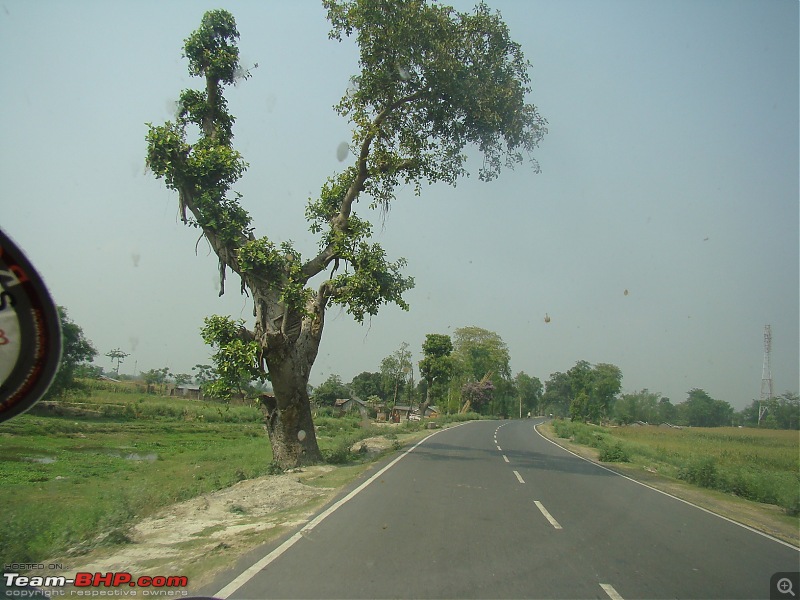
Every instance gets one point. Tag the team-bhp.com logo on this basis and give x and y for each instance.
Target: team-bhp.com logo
(90, 584)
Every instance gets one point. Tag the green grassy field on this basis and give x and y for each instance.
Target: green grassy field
(756, 464)
(77, 474)
(63, 482)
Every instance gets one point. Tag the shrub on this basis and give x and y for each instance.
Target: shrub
(791, 502)
(339, 454)
(702, 472)
(615, 452)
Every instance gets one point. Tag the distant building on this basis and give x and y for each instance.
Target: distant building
(344, 405)
(431, 412)
(400, 412)
(187, 391)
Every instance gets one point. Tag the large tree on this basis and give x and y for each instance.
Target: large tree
(395, 371)
(701, 410)
(529, 392)
(478, 351)
(593, 390)
(432, 81)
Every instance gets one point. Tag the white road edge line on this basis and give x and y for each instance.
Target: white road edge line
(547, 515)
(519, 477)
(505, 458)
(251, 572)
(612, 593)
(711, 512)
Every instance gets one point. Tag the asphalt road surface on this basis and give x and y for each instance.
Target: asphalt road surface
(491, 509)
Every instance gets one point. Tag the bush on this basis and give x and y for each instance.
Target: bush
(702, 472)
(791, 502)
(615, 452)
(339, 454)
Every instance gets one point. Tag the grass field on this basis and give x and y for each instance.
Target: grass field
(759, 465)
(77, 474)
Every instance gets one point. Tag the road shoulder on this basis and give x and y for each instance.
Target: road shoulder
(765, 518)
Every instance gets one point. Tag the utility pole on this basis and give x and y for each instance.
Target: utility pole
(766, 374)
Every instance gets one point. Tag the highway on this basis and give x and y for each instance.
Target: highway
(491, 509)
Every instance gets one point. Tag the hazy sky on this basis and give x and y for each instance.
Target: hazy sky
(670, 170)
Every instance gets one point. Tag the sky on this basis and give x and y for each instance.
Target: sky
(660, 236)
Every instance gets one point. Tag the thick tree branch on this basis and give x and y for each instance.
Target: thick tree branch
(339, 222)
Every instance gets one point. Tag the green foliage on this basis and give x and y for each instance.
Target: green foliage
(436, 366)
(395, 370)
(637, 406)
(529, 390)
(440, 79)
(156, 375)
(98, 482)
(212, 50)
(701, 410)
(782, 412)
(432, 82)
(236, 359)
(558, 394)
(340, 454)
(281, 268)
(585, 392)
(204, 172)
(478, 351)
(593, 390)
(759, 465)
(373, 282)
(614, 452)
(76, 351)
(330, 390)
(368, 386)
(700, 471)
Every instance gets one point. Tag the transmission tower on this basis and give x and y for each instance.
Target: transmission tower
(766, 374)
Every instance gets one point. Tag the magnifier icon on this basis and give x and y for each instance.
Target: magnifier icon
(784, 586)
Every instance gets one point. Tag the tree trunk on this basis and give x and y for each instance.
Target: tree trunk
(291, 433)
(288, 419)
(424, 406)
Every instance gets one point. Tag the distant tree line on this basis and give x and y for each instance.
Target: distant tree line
(470, 370)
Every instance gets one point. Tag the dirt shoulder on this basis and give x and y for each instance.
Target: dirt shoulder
(202, 536)
(766, 518)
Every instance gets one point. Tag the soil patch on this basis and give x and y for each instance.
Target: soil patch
(199, 537)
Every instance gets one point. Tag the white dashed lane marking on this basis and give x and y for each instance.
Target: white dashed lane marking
(547, 514)
(612, 593)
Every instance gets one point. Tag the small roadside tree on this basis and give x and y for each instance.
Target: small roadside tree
(529, 392)
(436, 366)
(76, 352)
(432, 81)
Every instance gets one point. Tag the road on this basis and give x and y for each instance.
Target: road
(491, 509)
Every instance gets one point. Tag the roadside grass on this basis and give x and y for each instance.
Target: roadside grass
(77, 474)
(758, 465)
(68, 486)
